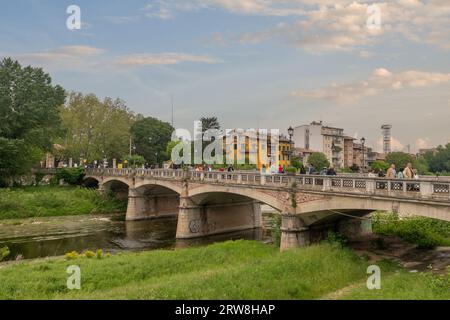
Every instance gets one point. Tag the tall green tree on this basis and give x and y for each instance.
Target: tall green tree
(150, 137)
(319, 160)
(400, 159)
(95, 128)
(29, 105)
(439, 161)
(380, 165)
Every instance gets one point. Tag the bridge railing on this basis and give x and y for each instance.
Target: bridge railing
(417, 188)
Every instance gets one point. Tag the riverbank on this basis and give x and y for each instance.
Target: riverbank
(49, 201)
(230, 270)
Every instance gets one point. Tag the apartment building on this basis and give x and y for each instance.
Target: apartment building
(320, 138)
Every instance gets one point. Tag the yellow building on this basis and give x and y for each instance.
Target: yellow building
(261, 147)
(285, 152)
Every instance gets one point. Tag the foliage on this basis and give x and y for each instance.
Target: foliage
(380, 165)
(400, 159)
(296, 163)
(151, 136)
(71, 255)
(425, 232)
(421, 165)
(135, 161)
(170, 146)
(209, 123)
(275, 229)
(439, 161)
(95, 129)
(319, 160)
(55, 201)
(291, 170)
(4, 252)
(29, 111)
(89, 254)
(337, 239)
(72, 176)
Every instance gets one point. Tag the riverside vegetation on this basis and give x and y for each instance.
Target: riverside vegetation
(229, 270)
(50, 201)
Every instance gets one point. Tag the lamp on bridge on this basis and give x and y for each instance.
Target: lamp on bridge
(291, 133)
(363, 142)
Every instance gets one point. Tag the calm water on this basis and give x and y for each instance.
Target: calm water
(44, 237)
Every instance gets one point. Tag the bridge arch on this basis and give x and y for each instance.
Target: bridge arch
(199, 195)
(91, 182)
(334, 205)
(176, 188)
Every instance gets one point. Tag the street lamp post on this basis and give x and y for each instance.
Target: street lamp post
(134, 153)
(291, 133)
(363, 142)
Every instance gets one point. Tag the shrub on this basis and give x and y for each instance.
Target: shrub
(291, 170)
(99, 253)
(4, 252)
(425, 232)
(336, 239)
(89, 254)
(72, 176)
(71, 255)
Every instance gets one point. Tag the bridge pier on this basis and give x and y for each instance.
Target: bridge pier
(142, 206)
(294, 233)
(203, 220)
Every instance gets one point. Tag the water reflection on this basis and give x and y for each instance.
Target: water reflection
(46, 237)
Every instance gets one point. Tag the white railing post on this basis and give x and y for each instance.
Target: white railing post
(263, 179)
(370, 186)
(426, 189)
(326, 184)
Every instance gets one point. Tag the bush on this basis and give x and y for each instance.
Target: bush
(4, 252)
(89, 254)
(71, 255)
(425, 232)
(72, 176)
(336, 239)
(291, 170)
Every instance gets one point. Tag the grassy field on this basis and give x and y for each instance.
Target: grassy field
(230, 270)
(54, 201)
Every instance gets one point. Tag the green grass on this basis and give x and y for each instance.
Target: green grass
(425, 232)
(230, 270)
(54, 201)
(403, 285)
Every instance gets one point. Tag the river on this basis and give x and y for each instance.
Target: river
(55, 236)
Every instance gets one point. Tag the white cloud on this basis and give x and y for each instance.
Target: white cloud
(326, 25)
(380, 80)
(86, 58)
(163, 59)
(423, 143)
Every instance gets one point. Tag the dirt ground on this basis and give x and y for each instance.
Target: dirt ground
(407, 254)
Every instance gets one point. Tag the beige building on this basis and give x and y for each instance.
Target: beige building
(320, 138)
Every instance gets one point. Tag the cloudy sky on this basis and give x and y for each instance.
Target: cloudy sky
(266, 63)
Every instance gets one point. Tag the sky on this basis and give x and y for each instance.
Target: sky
(252, 63)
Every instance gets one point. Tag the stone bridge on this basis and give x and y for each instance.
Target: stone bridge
(210, 203)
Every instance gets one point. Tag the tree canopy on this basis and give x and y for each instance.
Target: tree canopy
(439, 161)
(400, 159)
(29, 105)
(95, 129)
(151, 137)
(319, 160)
